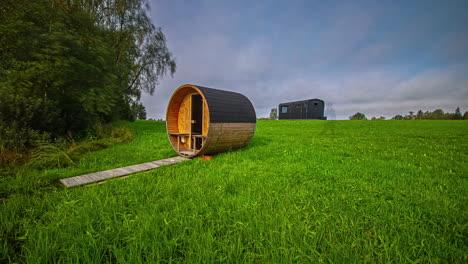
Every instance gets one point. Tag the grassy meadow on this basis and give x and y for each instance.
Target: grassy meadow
(300, 192)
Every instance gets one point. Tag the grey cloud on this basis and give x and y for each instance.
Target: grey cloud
(207, 54)
(212, 61)
(379, 92)
(449, 82)
(374, 93)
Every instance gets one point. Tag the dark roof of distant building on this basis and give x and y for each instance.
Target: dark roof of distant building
(304, 101)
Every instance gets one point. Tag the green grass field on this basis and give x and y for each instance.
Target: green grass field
(302, 191)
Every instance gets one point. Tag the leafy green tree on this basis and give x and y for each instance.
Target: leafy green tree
(67, 65)
(358, 116)
(410, 116)
(448, 116)
(142, 114)
(420, 115)
(139, 111)
(465, 116)
(428, 115)
(274, 114)
(398, 117)
(438, 114)
(457, 115)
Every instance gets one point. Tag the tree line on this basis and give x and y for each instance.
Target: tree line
(67, 65)
(437, 114)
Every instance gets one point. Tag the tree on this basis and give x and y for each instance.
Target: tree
(358, 116)
(465, 116)
(67, 65)
(438, 114)
(428, 115)
(448, 116)
(139, 111)
(410, 116)
(274, 114)
(398, 117)
(457, 115)
(420, 115)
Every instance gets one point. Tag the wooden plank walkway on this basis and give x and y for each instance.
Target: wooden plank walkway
(104, 175)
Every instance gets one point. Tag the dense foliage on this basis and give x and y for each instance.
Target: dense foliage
(66, 65)
(437, 114)
(274, 114)
(358, 116)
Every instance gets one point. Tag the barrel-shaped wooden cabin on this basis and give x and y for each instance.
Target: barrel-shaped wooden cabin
(203, 120)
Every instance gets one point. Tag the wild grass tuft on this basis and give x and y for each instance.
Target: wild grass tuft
(61, 153)
(48, 155)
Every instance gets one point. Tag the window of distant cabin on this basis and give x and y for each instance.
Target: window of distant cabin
(284, 109)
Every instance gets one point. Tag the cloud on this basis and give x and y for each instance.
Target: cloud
(357, 56)
(446, 83)
(337, 38)
(377, 92)
(213, 61)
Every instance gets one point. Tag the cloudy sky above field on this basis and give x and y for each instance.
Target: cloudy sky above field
(376, 57)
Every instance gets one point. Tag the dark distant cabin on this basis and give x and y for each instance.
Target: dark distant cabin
(307, 109)
(203, 120)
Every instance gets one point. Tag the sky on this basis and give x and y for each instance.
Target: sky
(380, 58)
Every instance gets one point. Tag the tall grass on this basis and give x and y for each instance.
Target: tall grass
(301, 192)
(62, 153)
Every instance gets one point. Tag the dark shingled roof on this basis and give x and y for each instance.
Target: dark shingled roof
(228, 107)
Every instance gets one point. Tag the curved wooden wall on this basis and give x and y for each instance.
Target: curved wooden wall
(228, 121)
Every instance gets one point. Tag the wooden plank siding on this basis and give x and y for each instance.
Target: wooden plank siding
(228, 119)
(227, 136)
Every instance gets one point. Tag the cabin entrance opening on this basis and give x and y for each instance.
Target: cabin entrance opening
(197, 114)
(197, 120)
(186, 122)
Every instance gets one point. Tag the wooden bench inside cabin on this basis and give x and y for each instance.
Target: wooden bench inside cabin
(194, 139)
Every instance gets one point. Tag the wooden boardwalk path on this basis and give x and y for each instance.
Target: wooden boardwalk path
(104, 175)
